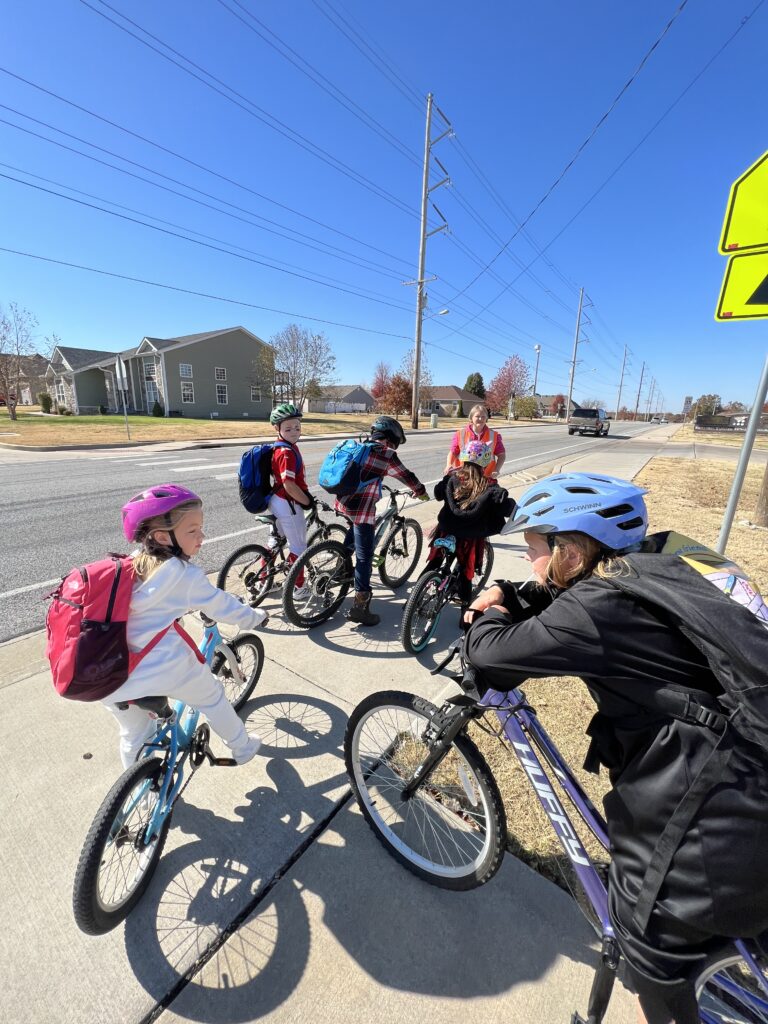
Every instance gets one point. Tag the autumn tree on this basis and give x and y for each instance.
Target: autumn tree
(708, 405)
(396, 397)
(304, 361)
(475, 384)
(525, 407)
(17, 346)
(512, 379)
(381, 377)
(558, 405)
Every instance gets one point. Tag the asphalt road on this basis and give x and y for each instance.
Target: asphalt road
(58, 512)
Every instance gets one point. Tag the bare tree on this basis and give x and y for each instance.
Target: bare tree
(425, 376)
(303, 362)
(592, 403)
(17, 346)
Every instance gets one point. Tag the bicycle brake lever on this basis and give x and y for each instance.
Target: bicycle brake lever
(453, 650)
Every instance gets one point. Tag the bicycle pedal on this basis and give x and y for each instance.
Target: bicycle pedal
(224, 762)
(578, 1019)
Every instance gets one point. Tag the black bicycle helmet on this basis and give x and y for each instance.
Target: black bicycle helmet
(286, 411)
(387, 426)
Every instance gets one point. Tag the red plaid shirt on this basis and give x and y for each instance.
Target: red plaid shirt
(380, 462)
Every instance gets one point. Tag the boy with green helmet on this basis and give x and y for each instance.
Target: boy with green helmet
(290, 495)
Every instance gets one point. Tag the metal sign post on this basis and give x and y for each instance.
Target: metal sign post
(121, 379)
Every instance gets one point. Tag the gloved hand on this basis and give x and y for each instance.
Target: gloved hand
(424, 497)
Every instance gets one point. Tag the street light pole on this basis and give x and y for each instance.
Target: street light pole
(537, 350)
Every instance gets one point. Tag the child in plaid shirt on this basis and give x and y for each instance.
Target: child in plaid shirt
(360, 507)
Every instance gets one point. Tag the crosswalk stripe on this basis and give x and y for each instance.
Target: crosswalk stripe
(172, 462)
(213, 465)
(225, 476)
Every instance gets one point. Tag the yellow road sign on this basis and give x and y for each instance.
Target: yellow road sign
(744, 293)
(746, 218)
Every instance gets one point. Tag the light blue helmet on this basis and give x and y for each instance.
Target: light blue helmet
(609, 510)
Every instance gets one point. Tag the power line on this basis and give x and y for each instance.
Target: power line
(208, 245)
(629, 155)
(252, 109)
(203, 295)
(581, 148)
(188, 160)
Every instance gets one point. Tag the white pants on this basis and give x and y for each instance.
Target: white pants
(292, 525)
(200, 689)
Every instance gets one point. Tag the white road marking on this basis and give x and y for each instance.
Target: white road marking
(213, 465)
(172, 462)
(32, 586)
(225, 476)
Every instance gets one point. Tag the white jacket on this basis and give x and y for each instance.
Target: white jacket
(172, 590)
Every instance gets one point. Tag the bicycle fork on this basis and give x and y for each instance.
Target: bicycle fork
(442, 730)
(602, 984)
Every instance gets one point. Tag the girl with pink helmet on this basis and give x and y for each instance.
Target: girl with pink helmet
(166, 522)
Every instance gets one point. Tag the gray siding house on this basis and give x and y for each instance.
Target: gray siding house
(446, 401)
(341, 398)
(217, 374)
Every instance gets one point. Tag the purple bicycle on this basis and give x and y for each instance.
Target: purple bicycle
(430, 798)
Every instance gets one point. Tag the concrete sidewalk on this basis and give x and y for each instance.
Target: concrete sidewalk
(272, 900)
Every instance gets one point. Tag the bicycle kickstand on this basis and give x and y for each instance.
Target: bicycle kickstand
(602, 985)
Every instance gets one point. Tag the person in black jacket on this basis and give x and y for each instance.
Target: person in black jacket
(474, 508)
(663, 652)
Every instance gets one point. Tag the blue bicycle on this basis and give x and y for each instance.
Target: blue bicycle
(430, 798)
(126, 839)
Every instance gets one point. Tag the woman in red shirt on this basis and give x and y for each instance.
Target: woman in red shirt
(477, 430)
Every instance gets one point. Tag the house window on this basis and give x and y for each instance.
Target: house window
(185, 369)
(187, 392)
(60, 394)
(222, 394)
(151, 385)
(255, 393)
(150, 368)
(220, 373)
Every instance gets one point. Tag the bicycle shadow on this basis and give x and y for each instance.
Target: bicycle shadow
(224, 932)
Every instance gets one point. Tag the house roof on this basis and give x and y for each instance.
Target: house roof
(80, 358)
(451, 393)
(187, 339)
(339, 392)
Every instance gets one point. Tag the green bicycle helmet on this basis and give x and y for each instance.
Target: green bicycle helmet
(286, 411)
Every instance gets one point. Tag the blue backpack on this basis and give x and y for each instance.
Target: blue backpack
(255, 475)
(341, 472)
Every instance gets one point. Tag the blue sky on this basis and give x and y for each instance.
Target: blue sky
(333, 238)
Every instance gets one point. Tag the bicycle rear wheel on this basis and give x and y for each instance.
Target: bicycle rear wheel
(248, 573)
(729, 992)
(327, 577)
(422, 612)
(116, 864)
(480, 579)
(400, 553)
(248, 651)
(327, 531)
(451, 830)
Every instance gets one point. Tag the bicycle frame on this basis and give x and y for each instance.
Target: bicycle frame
(391, 512)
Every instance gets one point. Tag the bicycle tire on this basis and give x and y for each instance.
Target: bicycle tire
(382, 746)
(327, 531)
(327, 569)
(727, 990)
(253, 576)
(403, 546)
(249, 655)
(422, 612)
(480, 582)
(94, 915)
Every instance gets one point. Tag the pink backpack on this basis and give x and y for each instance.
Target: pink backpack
(86, 624)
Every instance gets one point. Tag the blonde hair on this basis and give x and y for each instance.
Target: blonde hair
(153, 553)
(475, 408)
(593, 559)
(471, 482)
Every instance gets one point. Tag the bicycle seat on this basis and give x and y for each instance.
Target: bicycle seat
(155, 705)
(449, 543)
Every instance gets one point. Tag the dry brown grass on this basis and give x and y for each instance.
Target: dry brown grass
(732, 439)
(683, 494)
(67, 431)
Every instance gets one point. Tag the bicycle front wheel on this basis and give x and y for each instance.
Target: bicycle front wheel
(317, 583)
(450, 832)
(248, 652)
(480, 579)
(248, 573)
(728, 991)
(116, 864)
(401, 552)
(422, 612)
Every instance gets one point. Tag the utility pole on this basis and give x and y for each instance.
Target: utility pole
(423, 236)
(621, 382)
(575, 348)
(650, 399)
(639, 389)
(537, 350)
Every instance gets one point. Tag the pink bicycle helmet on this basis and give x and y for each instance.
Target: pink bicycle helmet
(155, 501)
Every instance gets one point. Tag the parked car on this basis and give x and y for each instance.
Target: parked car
(588, 421)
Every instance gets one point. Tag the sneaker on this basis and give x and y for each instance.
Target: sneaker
(248, 750)
(301, 593)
